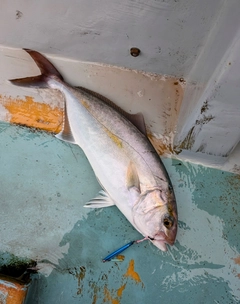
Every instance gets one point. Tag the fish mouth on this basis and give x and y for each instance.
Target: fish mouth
(160, 240)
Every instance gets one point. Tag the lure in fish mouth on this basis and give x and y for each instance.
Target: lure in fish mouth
(124, 161)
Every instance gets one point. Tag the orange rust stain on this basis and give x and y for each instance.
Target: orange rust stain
(108, 297)
(120, 290)
(120, 257)
(12, 291)
(95, 289)
(94, 299)
(29, 113)
(80, 276)
(159, 145)
(238, 275)
(132, 273)
(237, 260)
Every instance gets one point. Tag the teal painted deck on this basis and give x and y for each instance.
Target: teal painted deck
(45, 183)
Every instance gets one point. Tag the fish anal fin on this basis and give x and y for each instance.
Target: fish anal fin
(101, 201)
(66, 133)
(64, 136)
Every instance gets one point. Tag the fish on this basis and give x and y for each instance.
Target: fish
(127, 166)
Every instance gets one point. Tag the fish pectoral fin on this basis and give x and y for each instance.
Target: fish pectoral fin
(101, 201)
(66, 133)
(133, 183)
(132, 179)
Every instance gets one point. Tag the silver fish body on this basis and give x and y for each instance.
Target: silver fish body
(124, 161)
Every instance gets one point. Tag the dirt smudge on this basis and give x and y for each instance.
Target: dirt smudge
(237, 260)
(161, 147)
(108, 297)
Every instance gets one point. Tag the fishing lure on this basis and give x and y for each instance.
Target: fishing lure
(121, 249)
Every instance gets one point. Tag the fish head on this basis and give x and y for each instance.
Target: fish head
(155, 216)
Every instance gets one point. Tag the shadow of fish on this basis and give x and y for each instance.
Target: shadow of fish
(127, 166)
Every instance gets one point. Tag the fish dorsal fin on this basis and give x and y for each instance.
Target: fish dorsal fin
(101, 201)
(136, 119)
(66, 133)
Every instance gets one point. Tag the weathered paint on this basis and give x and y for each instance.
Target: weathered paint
(170, 34)
(237, 260)
(120, 258)
(162, 94)
(12, 291)
(69, 241)
(32, 114)
(108, 297)
(162, 145)
(120, 290)
(186, 40)
(208, 123)
(16, 267)
(129, 89)
(131, 273)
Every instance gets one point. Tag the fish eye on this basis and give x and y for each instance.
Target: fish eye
(167, 222)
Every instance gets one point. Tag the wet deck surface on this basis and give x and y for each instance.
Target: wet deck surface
(44, 185)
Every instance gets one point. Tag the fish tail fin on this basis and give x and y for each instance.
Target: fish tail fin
(47, 70)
